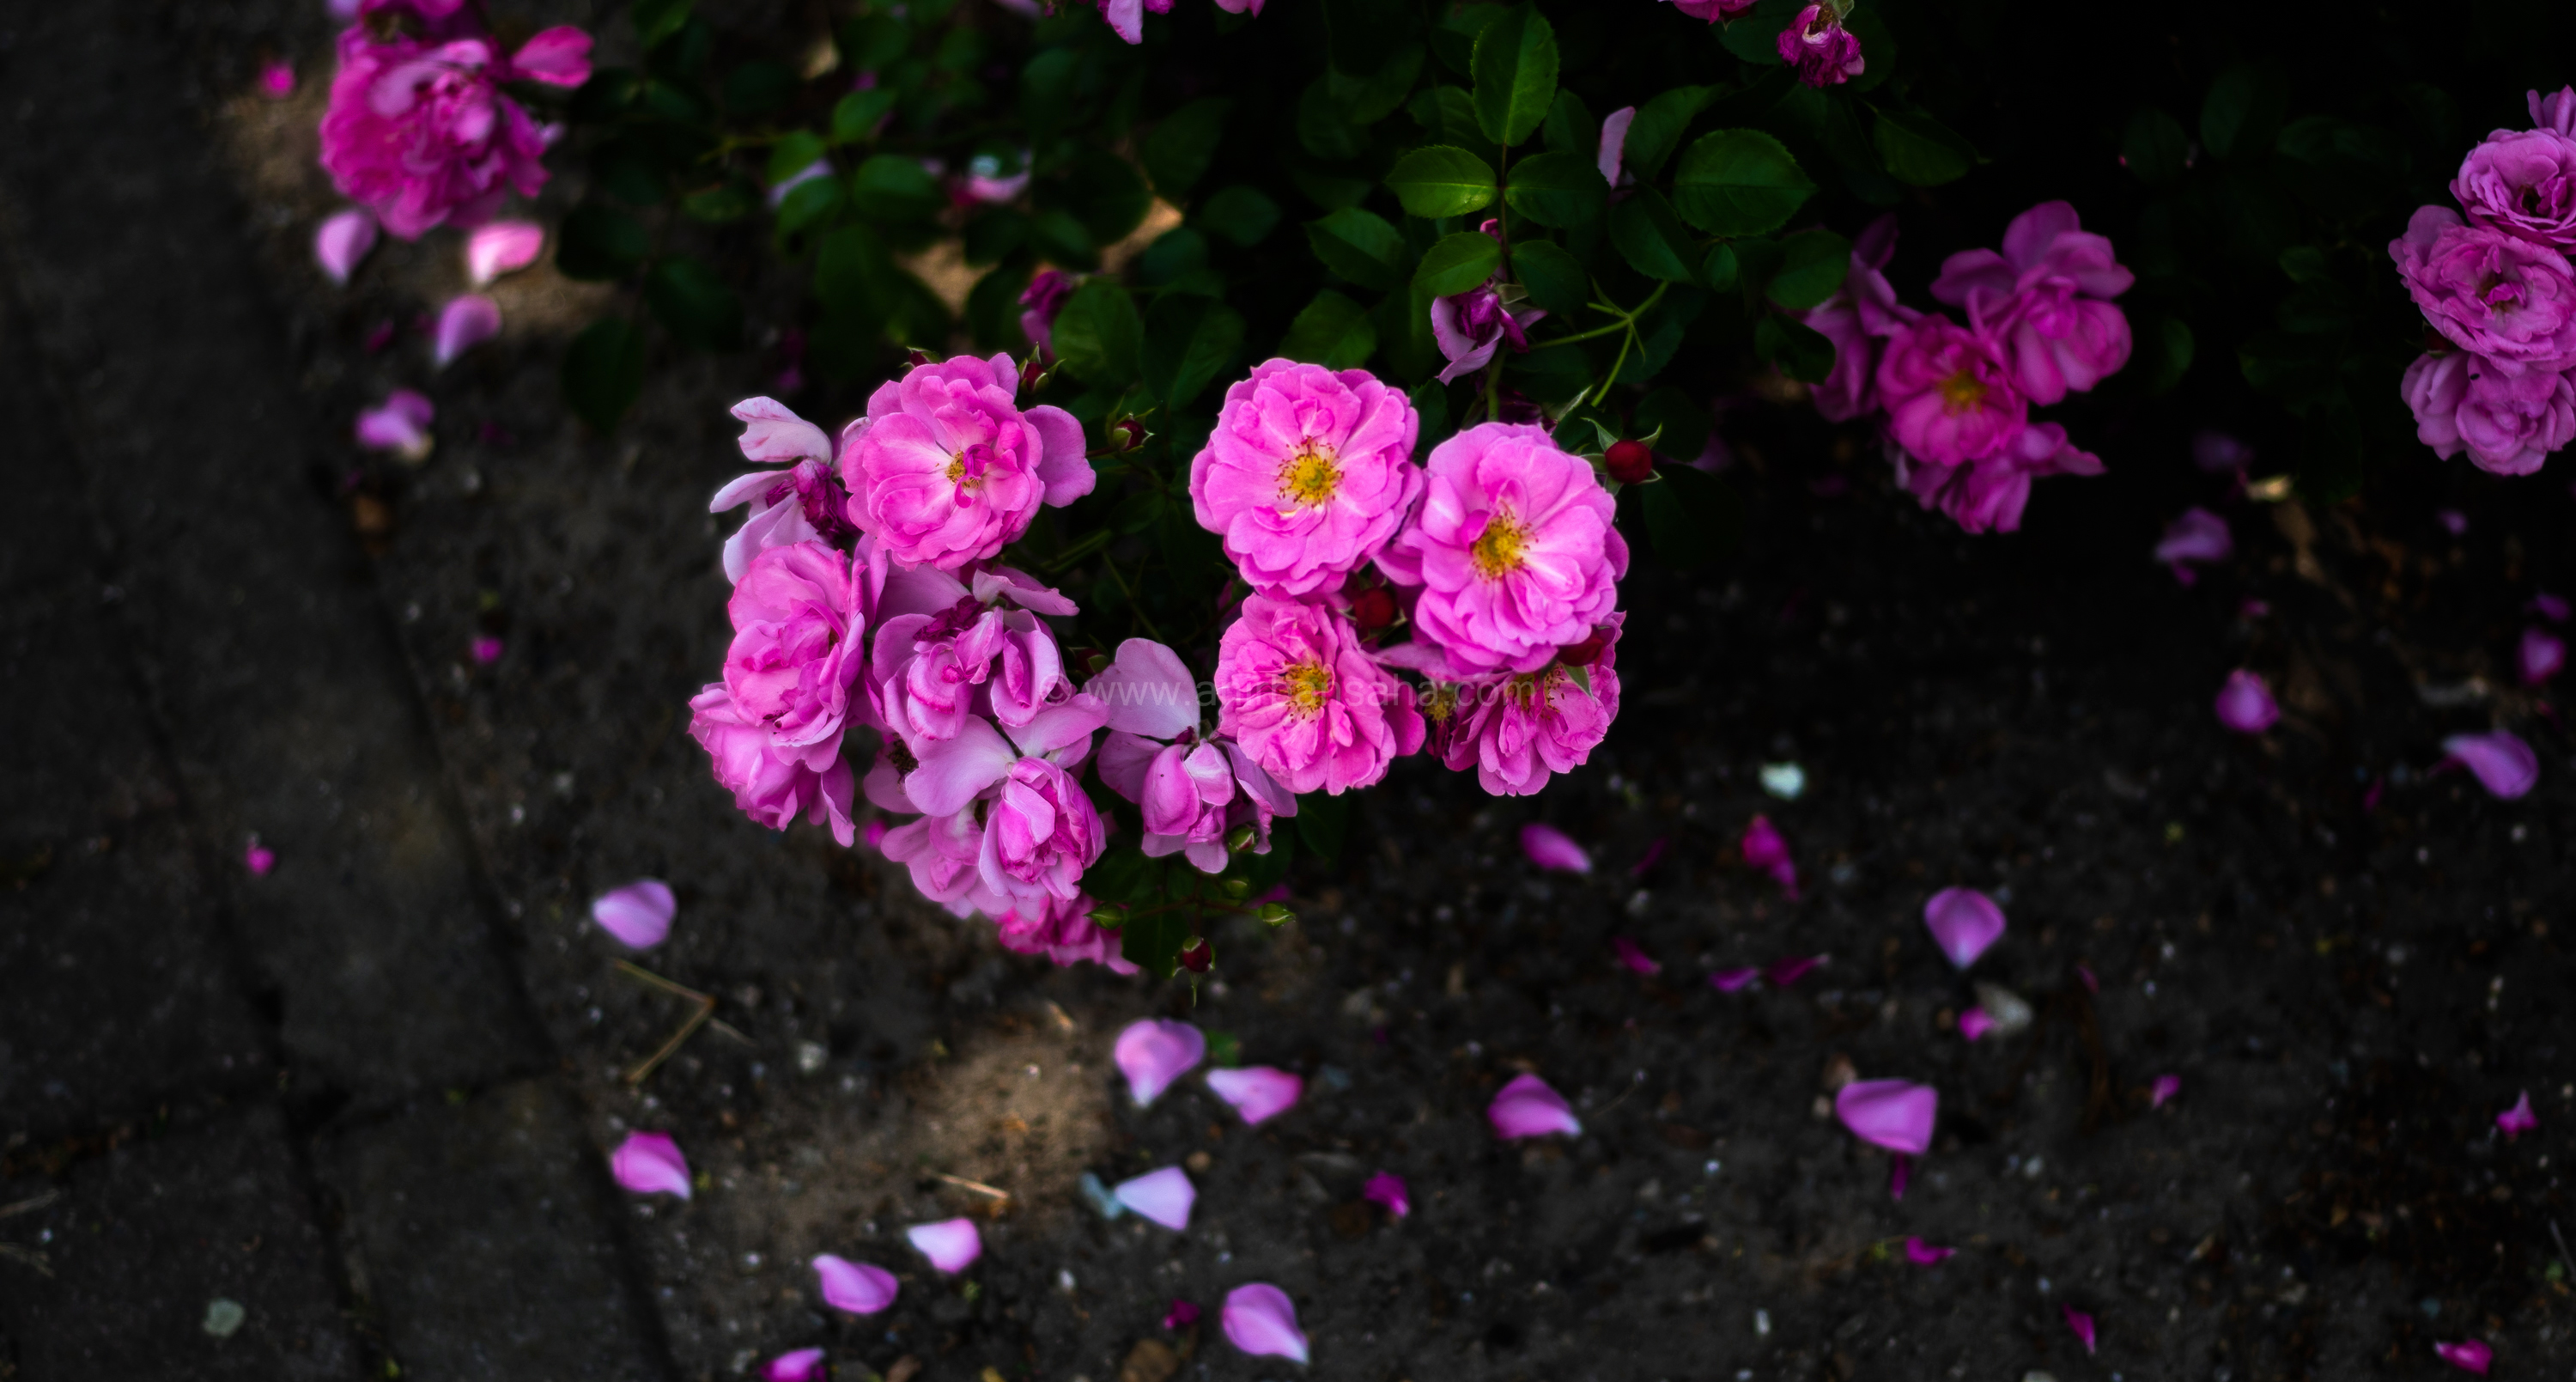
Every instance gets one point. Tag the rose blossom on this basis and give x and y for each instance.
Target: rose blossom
(1470, 326)
(2508, 422)
(2492, 294)
(1308, 474)
(983, 652)
(795, 654)
(1305, 700)
(1513, 550)
(946, 469)
(1044, 298)
(2522, 182)
(1194, 791)
(420, 133)
(1989, 495)
(1518, 729)
(803, 503)
(1948, 393)
(1856, 318)
(2045, 299)
(1824, 52)
(1005, 825)
(1714, 10)
(770, 785)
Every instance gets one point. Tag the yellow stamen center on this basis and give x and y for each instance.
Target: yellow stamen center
(1308, 685)
(1497, 551)
(1310, 477)
(1961, 392)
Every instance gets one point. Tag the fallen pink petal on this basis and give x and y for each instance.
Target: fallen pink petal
(638, 914)
(400, 425)
(258, 858)
(2549, 607)
(1527, 1107)
(1164, 1196)
(1387, 1188)
(1733, 980)
(2471, 1356)
(277, 79)
(1764, 849)
(1923, 1254)
(2197, 536)
(2245, 703)
(1154, 1052)
(2519, 1119)
(952, 1245)
(463, 324)
(1258, 1092)
(856, 1287)
(1551, 848)
(1634, 957)
(2542, 655)
(1653, 855)
(486, 650)
(1974, 1023)
(1963, 922)
(2164, 1088)
(2084, 972)
(1783, 973)
(2082, 1324)
(649, 1163)
(1261, 1320)
(1894, 1114)
(502, 247)
(342, 240)
(2504, 765)
(874, 835)
(804, 1365)
(2453, 521)
(1181, 1316)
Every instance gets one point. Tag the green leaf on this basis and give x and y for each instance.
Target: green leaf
(1107, 195)
(600, 243)
(697, 307)
(1320, 126)
(1801, 352)
(2155, 147)
(1919, 150)
(1243, 215)
(1554, 278)
(1515, 67)
(1179, 150)
(1369, 99)
(1812, 265)
(1755, 37)
(757, 88)
(1322, 822)
(1457, 263)
(1440, 181)
(1453, 40)
(890, 189)
(603, 372)
(1569, 127)
(2174, 349)
(1553, 375)
(1099, 336)
(1056, 235)
(1366, 36)
(1657, 129)
(1188, 339)
(873, 42)
(993, 309)
(1360, 246)
(854, 120)
(2243, 108)
(1048, 86)
(810, 203)
(995, 236)
(1333, 332)
(1174, 254)
(1723, 270)
(1682, 423)
(1153, 940)
(1447, 114)
(1404, 340)
(1652, 238)
(1739, 182)
(1693, 517)
(722, 203)
(853, 275)
(656, 20)
(1558, 189)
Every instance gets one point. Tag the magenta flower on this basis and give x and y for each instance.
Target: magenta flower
(2522, 182)
(1194, 791)
(464, 323)
(1298, 691)
(258, 858)
(649, 1163)
(1949, 393)
(1975, 1023)
(2519, 1119)
(1551, 848)
(2164, 1088)
(801, 503)
(1764, 849)
(773, 786)
(1388, 1189)
(1045, 296)
(1816, 43)
(419, 131)
(1164, 1196)
(2197, 536)
(1062, 931)
(1470, 326)
(2471, 1356)
(2504, 764)
(1923, 1254)
(1856, 319)
(2541, 655)
(638, 914)
(342, 240)
(946, 469)
(1634, 956)
(1512, 549)
(952, 1245)
(1963, 922)
(1715, 10)
(1307, 476)
(1989, 495)
(1261, 1320)
(1257, 1092)
(1127, 20)
(2081, 1324)
(795, 656)
(856, 1287)
(2507, 421)
(2045, 298)
(1153, 1052)
(801, 1365)
(1894, 1114)
(1527, 1107)
(928, 673)
(1038, 831)
(502, 247)
(400, 425)
(2491, 293)
(2245, 703)
(1518, 729)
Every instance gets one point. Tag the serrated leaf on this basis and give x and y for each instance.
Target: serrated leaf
(603, 372)
(1652, 239)
(1447, 114)
(1320, 126)
(1515, 67)
(1554, 278)
(1179, 150)
(1188, 339)
(1440, 181)
(1332, 331)
(1365, 100)
(855, 118)
(1813, 264)
(1360, 246)
(1457, 263)
(1919, 150)
(1739, 182)
(600, 243)
(694, 304)
(810, 203)
(1243, 215)
(1558, 189)
(1657, 129)
(1099, 335)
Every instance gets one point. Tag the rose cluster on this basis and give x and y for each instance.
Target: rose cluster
(2498, 287)
(1957, 399)
(867, 595)
(1816, 44)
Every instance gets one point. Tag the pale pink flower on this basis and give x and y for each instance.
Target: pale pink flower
(1388, 1189)
(2507, 419)
(773, 786)
(1164, 1196)
(1062, 931)
(952, 1245)
(502, 247)
(419, 131)
(638, 914)
(1307, 475)
(802, 503)
(399, 425)
(986, 184)
(1923, 1254)
(1527, 1107)
(1195, 791)
(2491, 293)
(1989, 495)
(342, 240)
(2197, 536)
(1963, 922)
(2471, 1356)
(464, 323)
(2245, 703)
(1045, 296)
(2503, 764)
(1764, 849)
(2519, 1119)
(1257, 1092)
(1512, 548)
(1551, 848)
(1820, 48)
(2045, 301)
(2541, 655)
(1305, 700)
(1153, 1052)
(2164, 1088)
(857, 1287)
(946, 469)
(1894, 1114)
(2081, 1324)
(1259, 1318)
(818, 169)
(649, 1163)
(927, 673)
(1856, 319)
(801, 1365)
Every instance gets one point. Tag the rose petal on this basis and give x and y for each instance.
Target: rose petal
(463, 324)
(400, 425)
(649, 1163)
(1895, 1114)
(2164, 1088)
(1963, 922)
(2542, 655)
(2519, 1119)
(1257, 1092)
(1550, 848)
(952, 1245)
(1156, 1051)
(342, 240)
(1784, 972)
(1764, 849)
(856, 1287)
(639, 914)
(2472, 1356)
(1149, 691)
(1181, 1316)
(258, 858)
(1654, 853)
(2245, 703)
(1261, 1320)
(804, 1365)
(2082, 1324)
(1527, 1107)
(502, 247)
(1387, 1188)
(1164, 1196)
(277, 79)
(1731, 980)
(1974, 1023)
(1923, 1254)
(1633, 957)
(2503, 763)
(2549, 607)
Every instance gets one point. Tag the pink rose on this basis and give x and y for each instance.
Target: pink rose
(770, 785)
(1470, 326)
(1949, 394)
(1127, 17)
(1824, 52)
(1194, 791)
(1988, 495)
(1512, 548)
(2522, 182)
(2491, 293)
(797, 630)
(2508, 422)
(1045, 297)
(1307, 703)
(2044, 299)
(1864, 312)
(1307, 475)
(1714, 10)
(945, 469)
(1063, 932)
(2433, 387)
(420, 133)
(1006, 825)
(1518, 729)
(803, 503)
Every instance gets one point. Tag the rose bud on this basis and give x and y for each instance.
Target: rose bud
(1631, 462)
